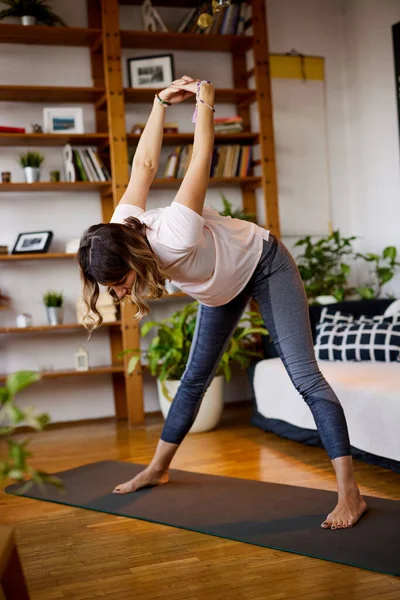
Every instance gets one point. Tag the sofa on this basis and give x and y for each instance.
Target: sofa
(368, 391)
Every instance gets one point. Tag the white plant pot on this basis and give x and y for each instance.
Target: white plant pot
(326, 299)
(28, 20)
(55, 315)
(32, 174)
(211, 407)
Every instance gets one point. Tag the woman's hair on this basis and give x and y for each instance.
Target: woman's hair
(107, 252)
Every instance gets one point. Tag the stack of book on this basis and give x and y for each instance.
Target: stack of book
(228, 125)
(3, 249)
(105, 306)
(229, 21)
(227, 161)
(88, 165)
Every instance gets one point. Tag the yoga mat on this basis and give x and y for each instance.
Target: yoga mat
(279, 516)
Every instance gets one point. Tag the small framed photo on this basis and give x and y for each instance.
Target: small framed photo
(33, 242)
(151, 71)
(63, 120)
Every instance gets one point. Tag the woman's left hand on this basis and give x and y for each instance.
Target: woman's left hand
(174, 94)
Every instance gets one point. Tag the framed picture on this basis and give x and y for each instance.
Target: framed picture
(33, 242)
(62, 120)
(151, 71)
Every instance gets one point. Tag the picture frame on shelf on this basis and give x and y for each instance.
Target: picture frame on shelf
(33, 242)
(156, 71)
(62, 120)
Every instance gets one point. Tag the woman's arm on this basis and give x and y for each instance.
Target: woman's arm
(192, 191)
(146, 159)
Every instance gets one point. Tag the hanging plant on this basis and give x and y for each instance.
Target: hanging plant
(38, 9)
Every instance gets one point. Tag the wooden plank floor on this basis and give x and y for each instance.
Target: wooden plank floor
(75, 554)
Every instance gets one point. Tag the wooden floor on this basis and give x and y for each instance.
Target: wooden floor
(76, 554)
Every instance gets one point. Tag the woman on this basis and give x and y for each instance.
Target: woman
(221, 262)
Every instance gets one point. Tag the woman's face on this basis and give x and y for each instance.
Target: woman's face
(124, 287)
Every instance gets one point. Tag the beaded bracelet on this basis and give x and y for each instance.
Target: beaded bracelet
(161, 101)
(198, 99)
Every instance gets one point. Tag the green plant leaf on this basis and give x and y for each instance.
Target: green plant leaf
(132, 364)
(19, 380)
(366, 292)
(390, 252)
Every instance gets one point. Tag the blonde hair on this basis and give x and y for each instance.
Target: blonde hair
(107, 252)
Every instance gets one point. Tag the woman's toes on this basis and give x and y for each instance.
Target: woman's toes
(326, 524)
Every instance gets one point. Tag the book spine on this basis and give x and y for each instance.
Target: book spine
(242, 18)
(93, 171)
(102, 165)
(186, 20)
(79, 165)
(95, 164)
(84, 164)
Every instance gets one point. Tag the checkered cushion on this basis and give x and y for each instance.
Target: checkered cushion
(330, 315)
(356, 341)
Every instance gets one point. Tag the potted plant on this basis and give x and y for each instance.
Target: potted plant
(383, 271)
(30, 12)
(15, 466)
(237, 214)
(54, 307)
(31, 162)
(168, 353)
(322, 268)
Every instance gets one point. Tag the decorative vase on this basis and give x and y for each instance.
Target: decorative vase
(211, 407)
(55, 315)
(32, 174)
(28, 20)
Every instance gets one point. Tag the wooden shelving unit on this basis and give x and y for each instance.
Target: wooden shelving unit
(60, 186)
(46, 94)
(105, 41)
(48, 328)
(240, 96)
(51, 139)
(186, 41)
(48, 36)
(45, 256)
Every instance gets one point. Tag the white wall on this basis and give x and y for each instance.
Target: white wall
(354, 36)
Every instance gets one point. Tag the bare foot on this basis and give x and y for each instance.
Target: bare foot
(146, 478)
(348, 511)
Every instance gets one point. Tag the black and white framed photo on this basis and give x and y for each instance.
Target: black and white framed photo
(33, 242)
(63, 120)
(151, 71)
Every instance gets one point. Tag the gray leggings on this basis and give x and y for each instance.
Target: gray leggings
(277, 287)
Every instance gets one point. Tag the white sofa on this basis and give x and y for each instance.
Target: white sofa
(368, 391)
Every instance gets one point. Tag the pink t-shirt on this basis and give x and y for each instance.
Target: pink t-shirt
(210, 257)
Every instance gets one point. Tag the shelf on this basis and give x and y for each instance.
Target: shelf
(186, 41)
(44, 256)
(172, 139)
(60, 186)
(175, 3)
(73, 373)
(249, 182)
(47, 328)
(229, 95)
(46, 94)
(52, 139)
(49, 36)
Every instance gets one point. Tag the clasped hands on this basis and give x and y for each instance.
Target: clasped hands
(179, 90)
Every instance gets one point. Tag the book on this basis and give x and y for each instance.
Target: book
(96, 166)
(7, 129)
(242, 18)
(186, 20)
(79, 166)
(85, 164)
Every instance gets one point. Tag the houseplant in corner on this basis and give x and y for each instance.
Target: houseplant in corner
(31, 163)
(168, 353)
(236, 214)
(30, 12)
(383, 271)
(54, 307)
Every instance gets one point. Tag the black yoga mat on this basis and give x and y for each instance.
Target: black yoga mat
(283, 517)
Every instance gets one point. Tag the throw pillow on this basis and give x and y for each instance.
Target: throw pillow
(358, 341)
(330, 315)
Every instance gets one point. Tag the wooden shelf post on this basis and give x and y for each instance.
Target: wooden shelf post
(264, 101)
